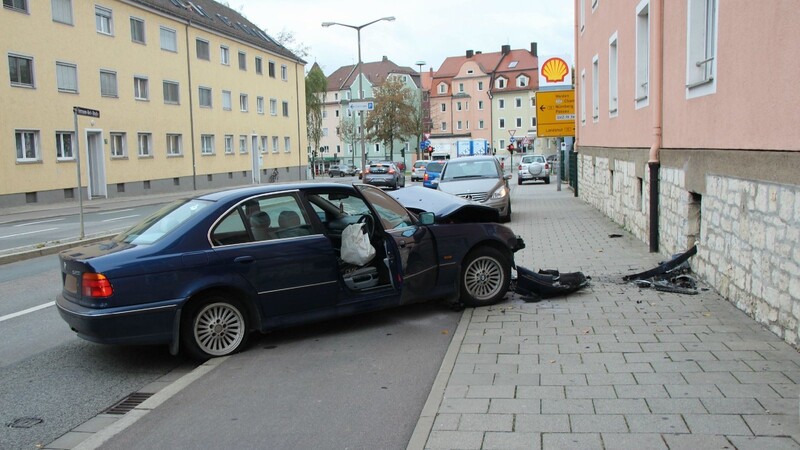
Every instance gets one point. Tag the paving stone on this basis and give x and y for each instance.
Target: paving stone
(486, 422)
(558, 339)
(737, 355)
(777, 405)
(620, 347)
(642, 339)
(660, 378)
(455, 439)
(499, 348)
(495, 368)
(656, 423)
(471, 358)
(727, 424)
(460, 379)
(628, 441)
(747, 390)
(590, 392)
(579, 348)
(544, 367)
(773, 424)
(682, 366)
(455, 391)
(761, 443)
(786, 390)
(629, 367)
(598, 379)
(464, 368)
(516, 440)
(537, 349)
(541, 392)
(568, 406)
(723, 366)
(446, 422)
(551, 423)
(597, 423)
(696, 442)
(515, 406)
(636, 391)
(648, 357)
(676, 405)
(572, 441)
(604, 358)
(584, 368)
(464, 406)
(554, 379)
(761, 377)
(620, 406)
(732, 406)
(709, 378)
(683, 339)
(491, 392)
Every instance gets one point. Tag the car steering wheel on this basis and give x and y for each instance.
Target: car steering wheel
(369, 223)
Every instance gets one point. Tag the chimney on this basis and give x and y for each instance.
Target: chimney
(385, 58)
(506, 49)
(470, 53)
(478, 52)
(533, 49)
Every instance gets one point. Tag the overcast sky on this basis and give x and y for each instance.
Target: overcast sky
(424, 30)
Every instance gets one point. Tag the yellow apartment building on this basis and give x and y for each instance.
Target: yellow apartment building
(188, 95)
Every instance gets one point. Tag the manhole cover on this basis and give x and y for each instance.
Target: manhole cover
(25, 422)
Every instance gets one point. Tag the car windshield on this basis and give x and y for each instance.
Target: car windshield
(459, 170)
(434, 167)
(162, 222)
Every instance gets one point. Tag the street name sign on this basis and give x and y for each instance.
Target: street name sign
(361, 106)
(555, 113)
(85, 111)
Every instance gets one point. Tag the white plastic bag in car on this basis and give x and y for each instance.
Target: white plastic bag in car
(356, 248)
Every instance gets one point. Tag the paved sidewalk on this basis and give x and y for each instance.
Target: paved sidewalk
(612, 366)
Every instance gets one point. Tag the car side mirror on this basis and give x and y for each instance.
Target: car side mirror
(427, 218)
(507, 176)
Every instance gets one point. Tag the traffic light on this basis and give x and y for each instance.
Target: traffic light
(403, 152)
(510, 148)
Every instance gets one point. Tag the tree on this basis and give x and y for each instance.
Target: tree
(393, 116)
(347, 130)
(316, 85)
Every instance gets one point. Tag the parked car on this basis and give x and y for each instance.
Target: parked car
(480, 179)
(342, 170)
(532, 168)
(432, 171)
(418, 169)
(202, 273)
(384, 173)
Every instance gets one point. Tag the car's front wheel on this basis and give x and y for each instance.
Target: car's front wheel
(214, 326)
(485, 277)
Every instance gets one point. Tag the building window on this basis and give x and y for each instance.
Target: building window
(224, 55)
(460, 87)
(171, 93)
(701, 48)
(205, 97)
(284, 73)
(64, 146)
(458, 106)
(259, 66)
(242, 144)
(480, 124)
(442, 88)
(21, 70)
(458, 125)
(502, 123)
(103, 20)
(27, 145)
(287, 144)
(518, 102)
(273, 107)
(17, 5)
(443, 107)
(243, 102)
(501, 103)
(118, 147)
(108, 84)
(501, 83)
(533, 122)
(613, 88)
(228, 144)
(274, 144)
(271, 69)
(226, 100)
(141, 89)
(62, 10)
(285, 109)
(642, 54)
(522, 81)
(145, 141)
(201, 46)
(207, 144)
(444, 126)
(480, 105)
(67, 77)
(583, 97)
(480, 85)
(242, 61)
(519, 122)
(264, 143)
(173, 144)
(169, 40)
(260, 105)
(582, 15)
(595, 88)
(137, 30)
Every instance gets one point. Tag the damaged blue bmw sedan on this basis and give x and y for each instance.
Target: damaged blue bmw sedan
(202, 273)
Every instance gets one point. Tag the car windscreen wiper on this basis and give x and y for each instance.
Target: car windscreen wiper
(461, 177)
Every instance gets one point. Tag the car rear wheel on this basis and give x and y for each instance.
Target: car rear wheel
(485, 276)
(547, 180)
(519, 180)
(214, 326)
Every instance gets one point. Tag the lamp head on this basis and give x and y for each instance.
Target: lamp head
(327, 24)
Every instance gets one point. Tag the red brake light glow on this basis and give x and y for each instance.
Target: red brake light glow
(96, 285)
(391, 170)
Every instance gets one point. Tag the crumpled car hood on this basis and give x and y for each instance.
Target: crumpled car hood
(446, 207)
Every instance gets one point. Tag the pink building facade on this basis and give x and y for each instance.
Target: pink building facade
(687, 134)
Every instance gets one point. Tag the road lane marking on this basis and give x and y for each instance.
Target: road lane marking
(29, 232)
(119, 218)
(115, 211)
(37, 223)
(26, 311)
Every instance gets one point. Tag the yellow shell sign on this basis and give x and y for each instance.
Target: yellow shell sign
(554, 70)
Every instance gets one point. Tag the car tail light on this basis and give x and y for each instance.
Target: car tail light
(520, 167)
(425, 177)
(546, 166)
(391, 170)
(96, 285)
(366, 170)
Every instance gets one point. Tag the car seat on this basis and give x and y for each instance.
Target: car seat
(259, 223)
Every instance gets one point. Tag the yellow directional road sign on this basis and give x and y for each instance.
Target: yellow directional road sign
(555, 113)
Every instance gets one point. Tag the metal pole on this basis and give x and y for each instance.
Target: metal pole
(77, 150)
(361, 97)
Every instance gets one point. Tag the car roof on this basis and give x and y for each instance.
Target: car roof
(249, 191)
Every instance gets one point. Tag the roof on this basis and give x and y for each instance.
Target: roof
(375, 72)
(221, 19)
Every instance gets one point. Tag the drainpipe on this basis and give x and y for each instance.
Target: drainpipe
(191, 106)
(657, 98)
(297, 72)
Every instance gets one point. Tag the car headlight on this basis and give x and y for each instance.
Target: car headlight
(500, 193)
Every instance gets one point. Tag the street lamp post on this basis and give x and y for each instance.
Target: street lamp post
(360, 82)
(421, 108)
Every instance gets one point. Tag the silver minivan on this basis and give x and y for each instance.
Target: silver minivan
(480, 179)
